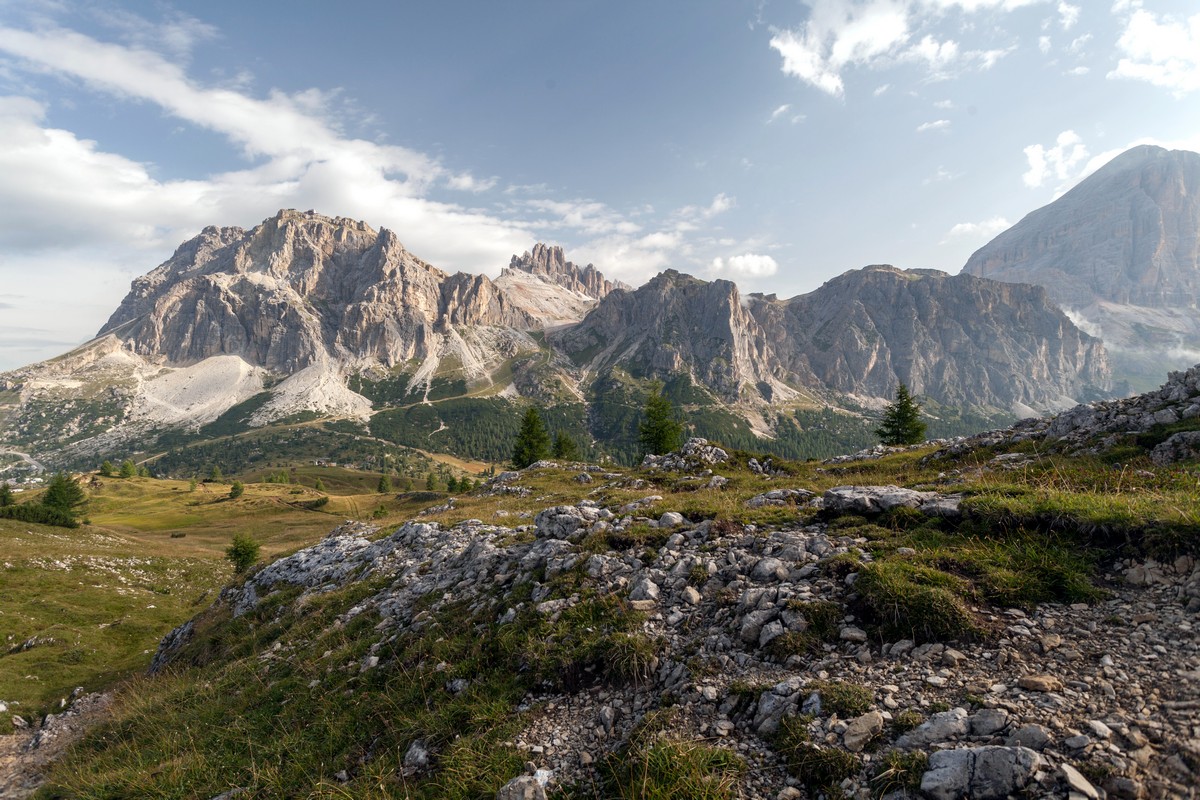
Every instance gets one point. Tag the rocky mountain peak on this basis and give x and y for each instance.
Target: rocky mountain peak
(549, 263)
(1129, 233)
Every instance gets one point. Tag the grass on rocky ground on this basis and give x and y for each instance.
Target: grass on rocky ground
(239, 716)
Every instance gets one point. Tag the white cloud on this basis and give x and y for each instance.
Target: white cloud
(1068, 15)
(881, 90)
(842, 34)
(945, 105)
(747, 265)
(1044, 44)
(466, 182)
(1163, 51)
(779, 112)
(1079, 71)
(935, 125)
(1059, 161)
(1077, 44)
(977, 230)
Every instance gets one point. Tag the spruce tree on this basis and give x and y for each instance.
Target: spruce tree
(901, 423)
(319, 485)
(660, 431)
(107, 470)
(565, 447)
(6, 494)
(64, 494)
(128, 468)
(385, 484)
(533, 442)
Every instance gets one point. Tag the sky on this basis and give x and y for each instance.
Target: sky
(776, 143)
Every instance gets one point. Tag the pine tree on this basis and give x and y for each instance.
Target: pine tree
(107, 470)
(430, 482)
(901, 423)
(319, 485)
(565, 447)
(6, 494)
(128, 468)
(452, 484)
(236, 490)
(659, 432)
(385, 484)
(215, 476)
(64, 494)
(533, 442)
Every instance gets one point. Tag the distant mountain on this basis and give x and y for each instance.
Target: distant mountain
(1121, 252)
(306, 318)
(958, 340)
(1129, 233)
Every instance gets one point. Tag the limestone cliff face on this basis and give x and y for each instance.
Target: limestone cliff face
(299, 288)
(960, 340)
(674, 324)
(1128, 234)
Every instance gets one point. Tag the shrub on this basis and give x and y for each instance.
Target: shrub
(236, 490)
(242, 552)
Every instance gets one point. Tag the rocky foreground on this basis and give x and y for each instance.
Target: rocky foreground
(1081, 700)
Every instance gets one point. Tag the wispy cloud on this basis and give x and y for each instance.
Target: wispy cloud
(977, 230)
(935, 125)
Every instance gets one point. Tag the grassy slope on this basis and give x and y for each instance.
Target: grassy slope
(150, 557)
(1037, 533)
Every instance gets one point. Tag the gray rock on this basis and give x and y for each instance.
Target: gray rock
(1078, 783)
(861, 730)
(1034, 736)
(942, 727)
(644, 589)
(523, 787)
(988, 721)
(768, 569)
(873, 499)
(979, 773)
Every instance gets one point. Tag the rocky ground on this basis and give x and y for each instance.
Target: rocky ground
(1099, 700)
(25, 754)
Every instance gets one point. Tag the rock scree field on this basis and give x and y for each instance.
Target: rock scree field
(1011, 614)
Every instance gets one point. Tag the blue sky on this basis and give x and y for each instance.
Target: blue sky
(774, 143)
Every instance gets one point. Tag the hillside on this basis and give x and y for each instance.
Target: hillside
(1006, 614)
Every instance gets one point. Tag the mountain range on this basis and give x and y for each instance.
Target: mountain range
(307, 316)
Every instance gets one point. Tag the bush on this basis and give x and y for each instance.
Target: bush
(243, 552)
(236, 490)
(43, 515)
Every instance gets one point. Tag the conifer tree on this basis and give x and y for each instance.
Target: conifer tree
(6, 494)
(901, 423)
(64, 494)
(452, 484)
(533, 442)
(128, 468)
(565, 447)
(385, 484)
(660, 431)
(236, 490)
(319, 485)
(107, 469)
